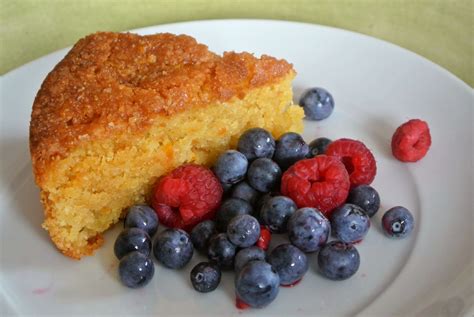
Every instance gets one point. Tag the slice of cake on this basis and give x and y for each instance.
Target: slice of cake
(120, 110)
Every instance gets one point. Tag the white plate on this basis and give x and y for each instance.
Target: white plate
(376, 86)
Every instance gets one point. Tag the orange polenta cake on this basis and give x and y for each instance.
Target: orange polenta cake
(120, 110)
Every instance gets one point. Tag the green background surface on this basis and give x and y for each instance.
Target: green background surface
(441, 30)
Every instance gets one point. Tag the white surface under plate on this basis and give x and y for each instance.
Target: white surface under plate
(376, 86)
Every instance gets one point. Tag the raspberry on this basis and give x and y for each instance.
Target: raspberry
(321, 182)
(357, 158)
(265, 237)
(411, 141)
(186, 196)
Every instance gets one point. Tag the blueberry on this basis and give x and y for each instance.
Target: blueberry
(222, 251)
(246, 255)
(255, 143)
(231, 167)
(318, 146)
(264, 198)
(142, 217)
(275, 213)
(257, 284)
(226, 188)
(290, 148)
(136, 269)
(173, 248)
(338, 260)
(308, 229)
(317, 103)
(350, 223)
(246, 192)
(264, 175)
(205, 277)
(289, 262)
(132, 239)
(243, 231)
(229, 209)
(398, 222)
(366, 197)
(201, 234)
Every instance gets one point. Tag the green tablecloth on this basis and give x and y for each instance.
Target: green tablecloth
(441, 30)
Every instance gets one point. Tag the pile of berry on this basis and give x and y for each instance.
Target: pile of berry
(265, 187)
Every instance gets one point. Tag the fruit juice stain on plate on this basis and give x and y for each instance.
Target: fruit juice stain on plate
(112, 266)
(42, 290)
(240, 304)
(293, 284)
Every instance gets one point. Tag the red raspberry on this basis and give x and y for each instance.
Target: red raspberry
(263, 241)
(357, 158)
(321, 182)
(411, 141)
(186, 196)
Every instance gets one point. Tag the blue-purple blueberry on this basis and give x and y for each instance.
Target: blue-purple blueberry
(142, 217)
(226, 188)
(132, 239)
(257, 284)
(318, 103)
(289, 262)
(264, 175)
(366, 197)
(318, 146)
(246, 192)
(308, 229)
(201, 234)
(256, 143)
(275, 213)
(136, 269)
(398, 222)
(263, 199)
(246, 255)
(173, 248)
(338, 260)
(230, 208)
(231, 167)
(221, 251)
(350, 223)
(243, 231)
(290, 148)
(205, 277)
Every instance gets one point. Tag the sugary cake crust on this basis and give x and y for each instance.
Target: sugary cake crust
(113, 83)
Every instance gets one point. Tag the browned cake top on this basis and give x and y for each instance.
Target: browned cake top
(112, 82)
